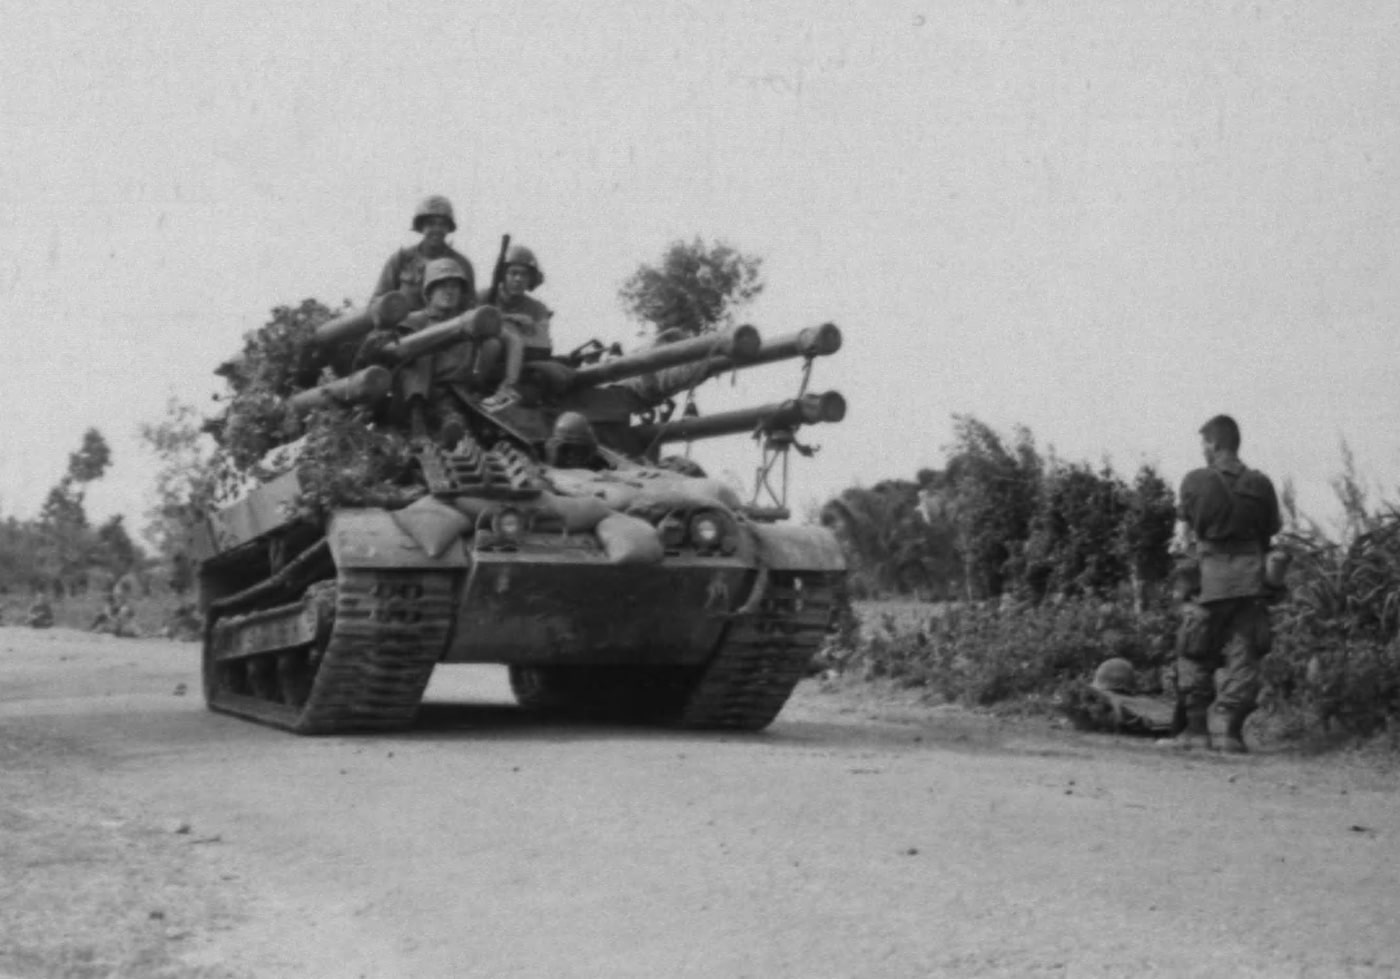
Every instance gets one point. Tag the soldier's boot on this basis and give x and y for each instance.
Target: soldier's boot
(452, 430)
(1194, 737)
(417, 419)
(1233, 742)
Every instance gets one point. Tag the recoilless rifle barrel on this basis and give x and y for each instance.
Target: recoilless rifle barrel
(814, 341)
(362, 387)
(740, 345)
(383, 312)
(481, 323)
(810, 409)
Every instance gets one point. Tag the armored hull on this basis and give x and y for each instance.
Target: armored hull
(623, 591)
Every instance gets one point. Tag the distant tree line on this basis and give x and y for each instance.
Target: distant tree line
(1000, 518)
(61, 552)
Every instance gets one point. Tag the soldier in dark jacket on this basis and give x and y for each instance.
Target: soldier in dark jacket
(1230, 512)
(405, 270)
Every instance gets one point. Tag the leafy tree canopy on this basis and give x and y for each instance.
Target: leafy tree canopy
(695, 288)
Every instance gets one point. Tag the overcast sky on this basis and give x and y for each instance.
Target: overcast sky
(1104, 221)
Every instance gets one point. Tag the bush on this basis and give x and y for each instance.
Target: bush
(1336, 657)
(985, 653)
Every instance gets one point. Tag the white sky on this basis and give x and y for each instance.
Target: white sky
(1105, 221)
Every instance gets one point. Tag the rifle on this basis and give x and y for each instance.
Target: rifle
(498, 275)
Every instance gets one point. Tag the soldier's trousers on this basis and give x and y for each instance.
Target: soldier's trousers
(1233, 634)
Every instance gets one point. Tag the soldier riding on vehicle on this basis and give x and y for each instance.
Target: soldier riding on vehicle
(422, 387)
(525, 320)
(406, 269)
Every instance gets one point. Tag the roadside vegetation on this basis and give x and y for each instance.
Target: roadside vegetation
(1007, 576)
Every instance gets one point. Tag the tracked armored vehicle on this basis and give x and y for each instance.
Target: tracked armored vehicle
(624, 585)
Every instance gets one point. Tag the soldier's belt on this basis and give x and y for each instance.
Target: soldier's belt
(1234, 548)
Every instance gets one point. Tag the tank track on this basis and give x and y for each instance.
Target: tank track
(389, 630)
(763, 655)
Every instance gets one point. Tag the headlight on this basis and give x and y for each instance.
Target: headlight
(706, 531)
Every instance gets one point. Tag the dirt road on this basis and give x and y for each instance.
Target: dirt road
(142, 836)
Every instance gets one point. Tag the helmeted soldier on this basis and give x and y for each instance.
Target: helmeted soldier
(424, 383)
(572, 444)
(406, 269)
(1116, 675)
(1229, 514)
(525, 320)
(40, 614)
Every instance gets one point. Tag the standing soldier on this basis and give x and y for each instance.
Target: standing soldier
(406, 268)
(1229, 513)
(524, 319)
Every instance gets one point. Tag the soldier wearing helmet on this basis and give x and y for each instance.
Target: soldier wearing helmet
(406, 268)
(525, 319)
(1230, 513)
(572, 444)
(425, 382)
(1116, 675)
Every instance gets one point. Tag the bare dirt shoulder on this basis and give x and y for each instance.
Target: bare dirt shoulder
(863, 835)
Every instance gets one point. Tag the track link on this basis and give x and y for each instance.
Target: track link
(389, 630)
(763, 655)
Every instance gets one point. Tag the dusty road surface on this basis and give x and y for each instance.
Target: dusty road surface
(142, 836)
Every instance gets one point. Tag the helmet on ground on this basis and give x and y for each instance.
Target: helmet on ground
(1116, 676)
(572, 442)
(440, 270)
(520, 255)
(435, 206)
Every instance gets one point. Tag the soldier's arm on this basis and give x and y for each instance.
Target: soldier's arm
(389, 277)
(470, 297)
(1275, 515)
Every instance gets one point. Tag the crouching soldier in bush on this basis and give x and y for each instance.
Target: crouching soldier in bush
(1229, 513)
(40, 614)
(116, 617)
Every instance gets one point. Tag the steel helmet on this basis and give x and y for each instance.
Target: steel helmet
(572, 442)
(434, 206)
(571, 428)
(520, 255)
(1116, 676)
(440, 270)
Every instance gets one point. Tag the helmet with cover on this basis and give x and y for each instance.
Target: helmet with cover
(520, 255)
(434, 206)
(442, 270)
(573, 442)
(1116, 675)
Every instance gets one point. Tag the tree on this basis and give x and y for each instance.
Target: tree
(695, 288)
(1146, 534)
(69, 544)
(115, 549)
(1073, 548)
(92, 458)
(185, 484)
(993, 494)
(277, 359)
(892, 544)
